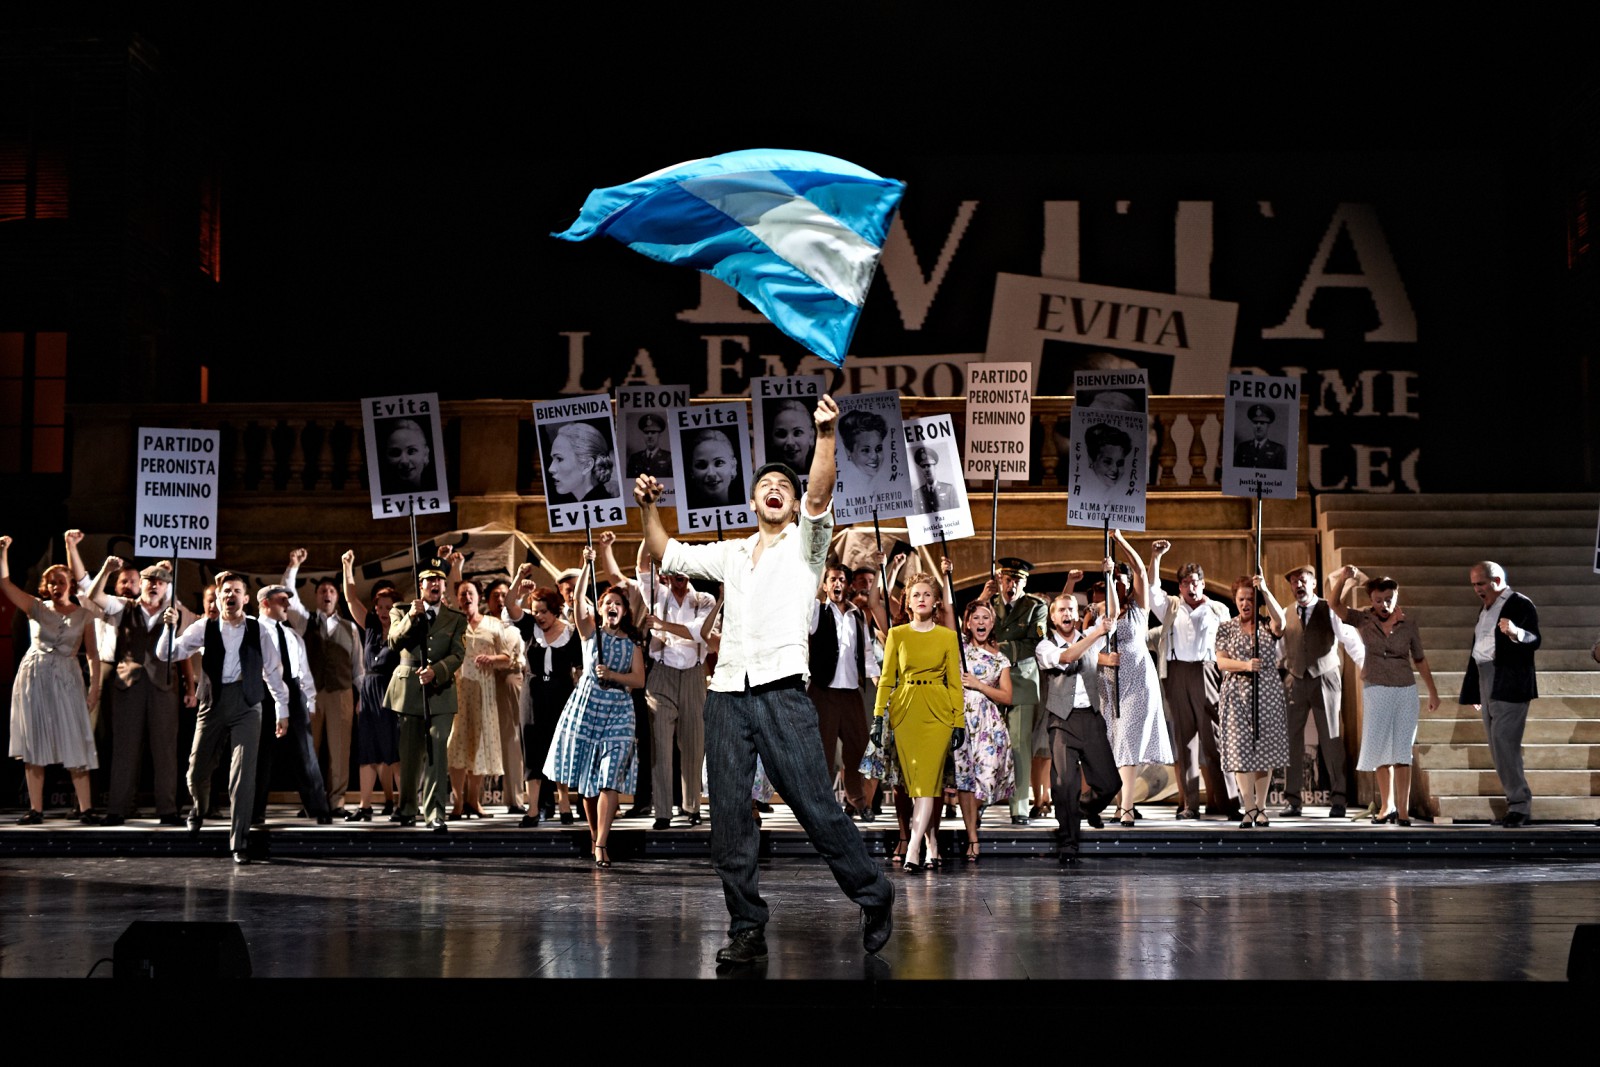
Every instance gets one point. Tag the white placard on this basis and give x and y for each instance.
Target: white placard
(175, 503)
(874, 478)
(578, 457)
(1260, 436)
(405, 455)
(939, 496)
(711, 461)
(1061, 327)
(786, 430)
(645, 415)
(1110, 449)
(999, 422)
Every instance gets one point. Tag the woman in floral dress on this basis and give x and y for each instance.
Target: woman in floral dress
(984, 770)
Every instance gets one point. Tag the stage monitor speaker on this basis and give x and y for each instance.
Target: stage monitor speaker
(1583, 962)
(150, 949)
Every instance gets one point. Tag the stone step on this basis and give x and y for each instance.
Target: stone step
(1463, 617)
(1579, 569)
(1538, 732)
(1555, 783)
(1489, 503)
(1457, 592)
(1545, 808)
(1421, 519)
(1551, 705)
(1551, 638)
(1576, 662)
(1421, 552)
(1462, 756)
(1405, 536)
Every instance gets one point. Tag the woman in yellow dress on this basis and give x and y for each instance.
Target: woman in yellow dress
(920, 690)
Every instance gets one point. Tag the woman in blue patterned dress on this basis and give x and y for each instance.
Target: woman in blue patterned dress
(593, 750)
(1130, 689)
(984, 770)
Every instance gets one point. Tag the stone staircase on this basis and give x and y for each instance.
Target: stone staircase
(1428, 542)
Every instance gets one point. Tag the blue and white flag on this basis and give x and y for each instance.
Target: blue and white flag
(798, 234)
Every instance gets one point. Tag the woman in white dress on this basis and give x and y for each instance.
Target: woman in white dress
(49, 706)
(474, 748)
(1130, 688)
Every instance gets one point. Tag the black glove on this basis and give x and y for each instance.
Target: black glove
(877, 730)
(958, 738)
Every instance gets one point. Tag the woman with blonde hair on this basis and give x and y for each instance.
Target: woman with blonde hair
(582, 465)
(920, 692)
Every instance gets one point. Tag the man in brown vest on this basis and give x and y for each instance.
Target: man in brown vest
(1313, 678)
(334, 657)
(144, 694)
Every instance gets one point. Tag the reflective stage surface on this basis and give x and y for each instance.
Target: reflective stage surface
(1229, 919)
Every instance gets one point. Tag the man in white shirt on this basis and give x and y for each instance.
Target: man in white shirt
(125, 584)
(839, 657)
(242, 665)
(1186, 659)
(334, 655)
(274, 618)
(676, 692)
(1500, 680)
(757, 704)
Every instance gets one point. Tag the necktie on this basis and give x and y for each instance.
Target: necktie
(1305, 615)
(930, 499)
(283, 654)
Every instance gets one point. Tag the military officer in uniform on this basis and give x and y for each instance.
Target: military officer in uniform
(1021, 619)
(428, 634)
(652, 459)
(1258, 451)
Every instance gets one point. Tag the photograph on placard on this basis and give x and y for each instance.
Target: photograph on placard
(1260, 436)
(939, 496)
(785, 424)
(1109, 449)
(644, 417)
(405, 455)
(711, 462)
(870, 448)
(583, 483)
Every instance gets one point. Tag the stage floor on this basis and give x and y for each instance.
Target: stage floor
(1432, 919)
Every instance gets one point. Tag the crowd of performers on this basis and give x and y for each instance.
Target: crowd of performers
(800, 676)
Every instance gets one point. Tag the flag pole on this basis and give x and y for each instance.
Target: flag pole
(1111, 635)
(1255, 676)
(883, 571)
(950, 598)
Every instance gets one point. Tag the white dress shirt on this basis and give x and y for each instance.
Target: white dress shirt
(670, 650)
(297, 665)
(1488, 622)
(1194, 630)
(193, 640)
(766, 601)
(846, 632)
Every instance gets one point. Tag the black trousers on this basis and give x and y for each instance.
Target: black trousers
(298, 752)
(1080, 739)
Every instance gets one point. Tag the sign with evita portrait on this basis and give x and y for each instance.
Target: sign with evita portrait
(405, 455)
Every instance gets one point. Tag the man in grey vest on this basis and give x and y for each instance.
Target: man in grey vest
(334, 657)
(1312, 680)
(1069, 677)
(241, 665)
(144, 693)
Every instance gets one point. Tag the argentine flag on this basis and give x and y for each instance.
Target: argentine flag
(798, 234)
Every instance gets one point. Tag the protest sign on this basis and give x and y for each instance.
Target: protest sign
(711, 462)
(405, 455)
(873, 475)
(175, 502)
(578, 456)
(939, 495)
